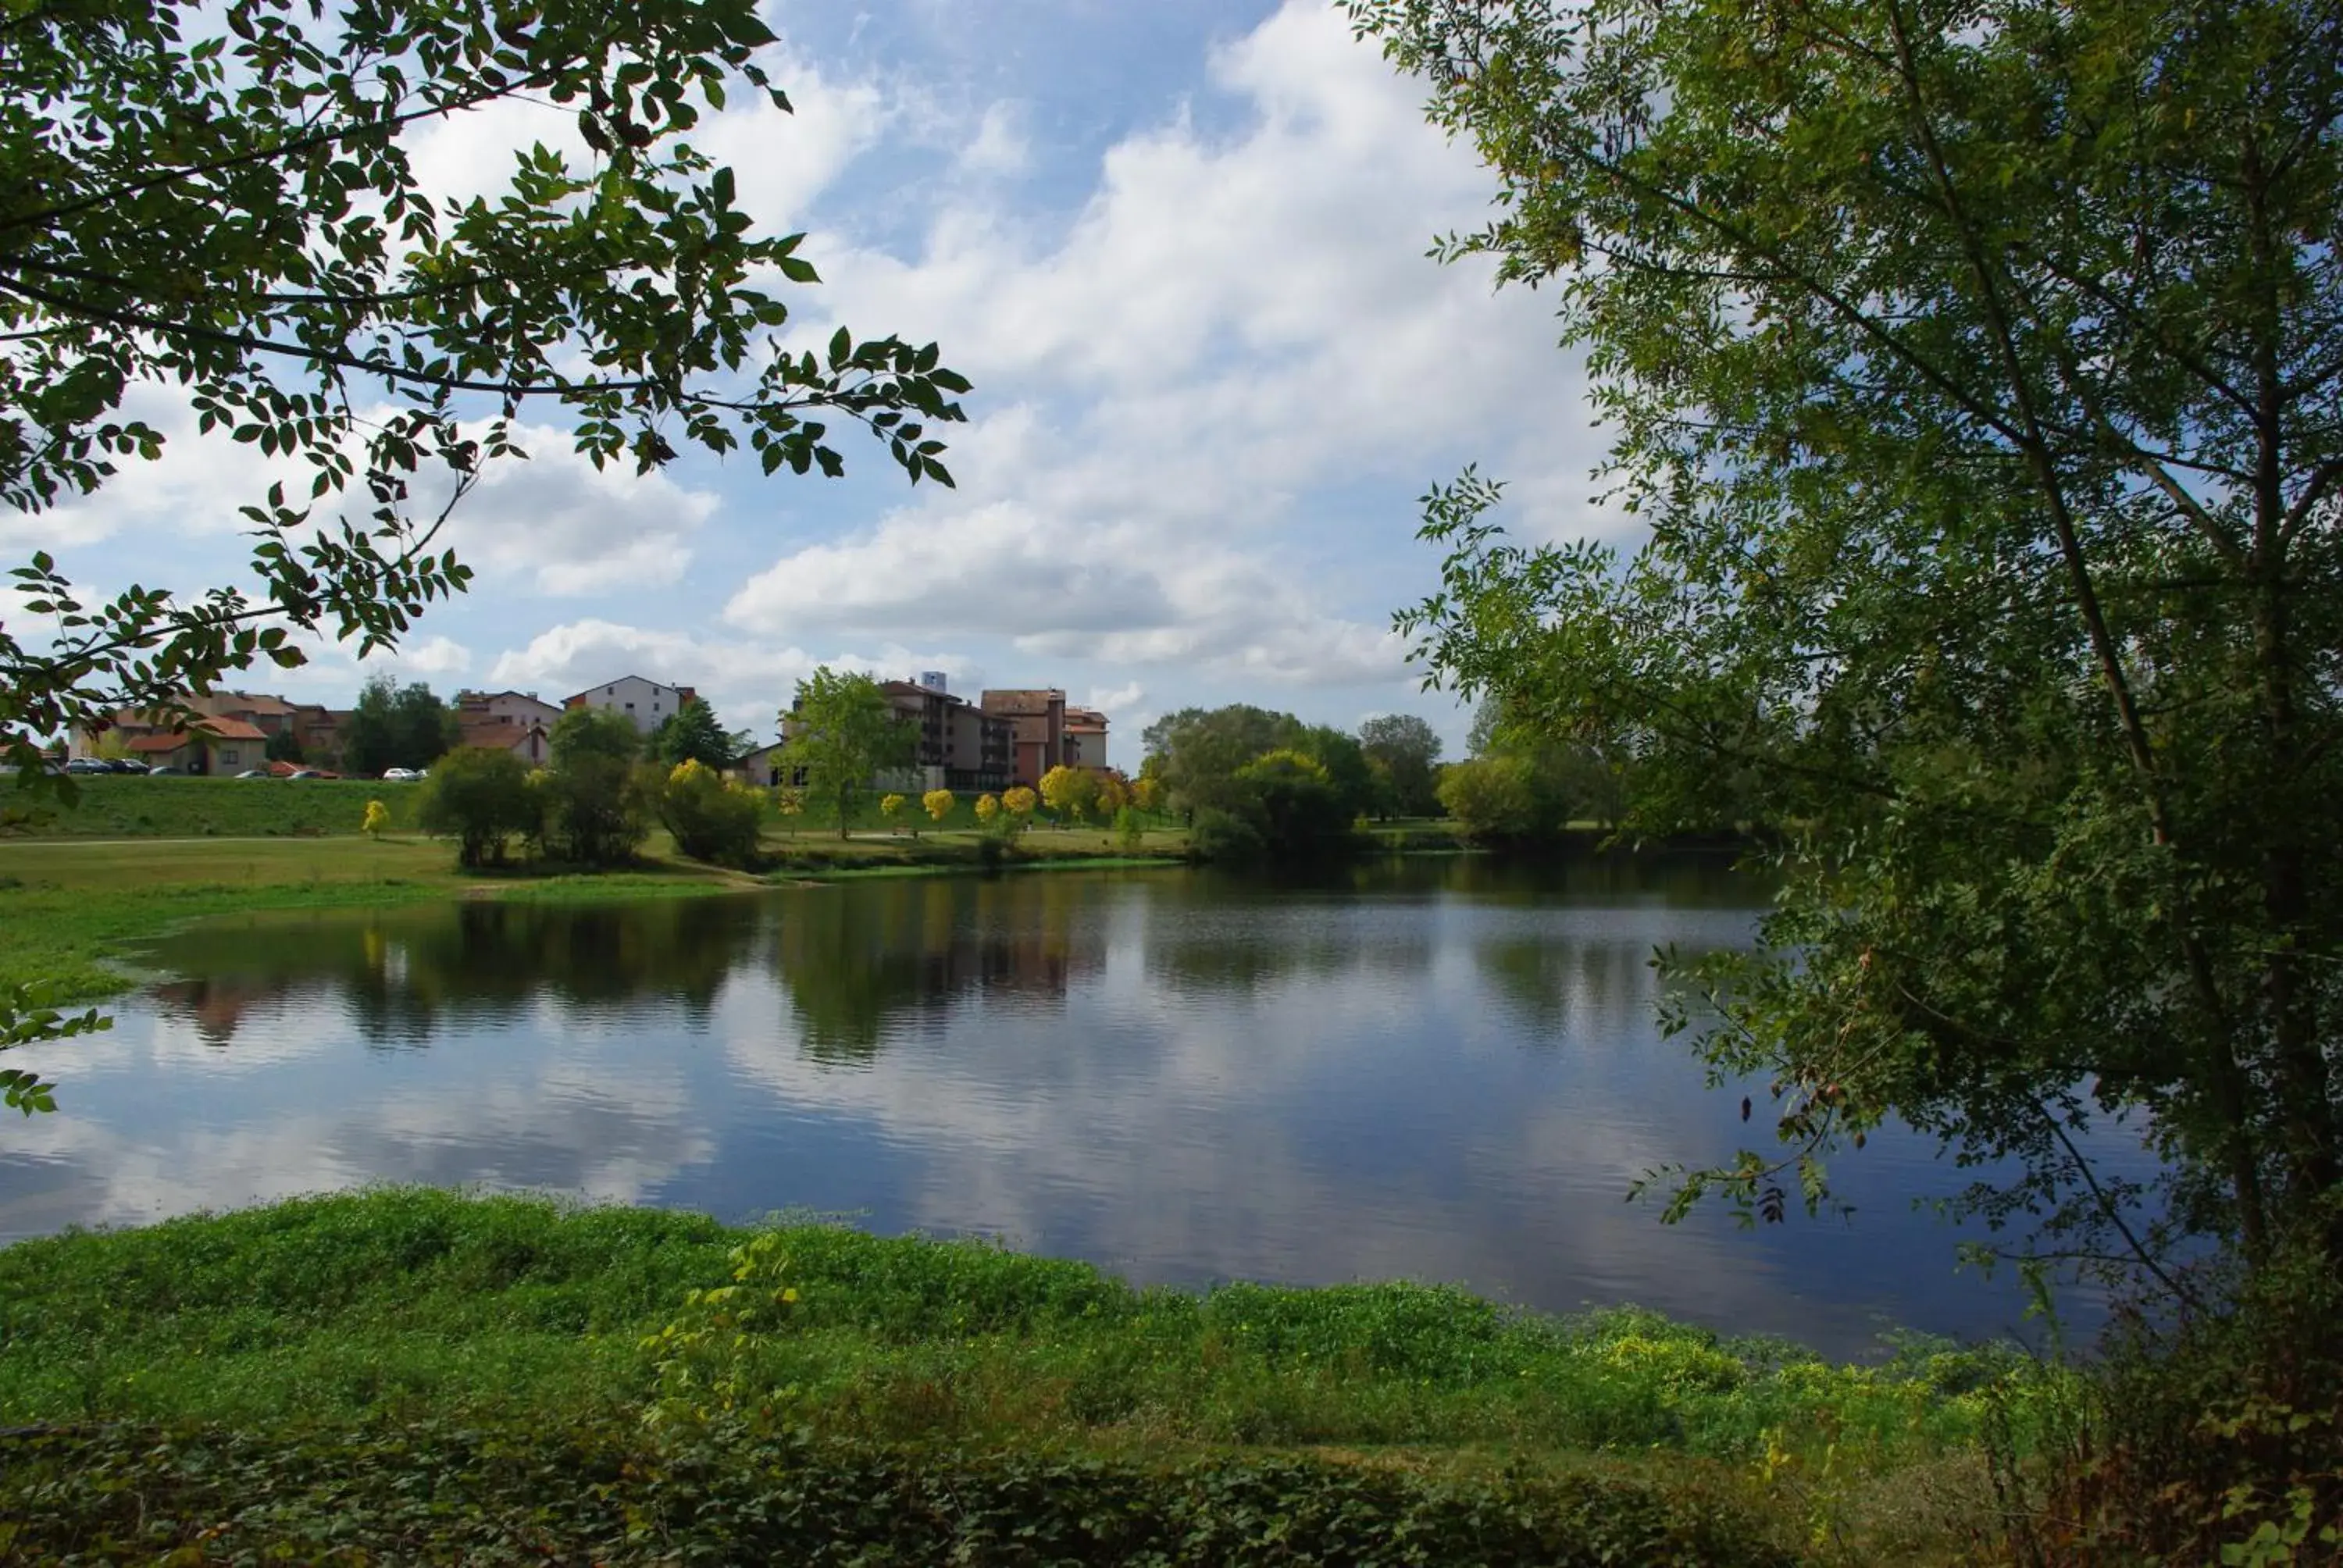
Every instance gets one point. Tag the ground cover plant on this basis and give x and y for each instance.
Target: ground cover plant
(323, 1350)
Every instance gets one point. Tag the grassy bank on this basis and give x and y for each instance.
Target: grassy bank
(412, 1333)
(163, 806)
(69, 909)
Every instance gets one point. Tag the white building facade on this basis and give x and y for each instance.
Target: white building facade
(646, 702)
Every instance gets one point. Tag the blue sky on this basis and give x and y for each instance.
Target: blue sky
(1178, 249)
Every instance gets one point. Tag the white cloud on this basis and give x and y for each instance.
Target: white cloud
(1229, 329)
(434, 656)
(566, 527)
(1000, 145)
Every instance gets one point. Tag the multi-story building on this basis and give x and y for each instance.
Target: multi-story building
(1036, 726)
(646, 702)
(962, 746)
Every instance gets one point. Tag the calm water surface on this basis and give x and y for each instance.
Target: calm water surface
(1437, 1069)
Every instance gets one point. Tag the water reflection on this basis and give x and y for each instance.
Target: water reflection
(1429, 1068)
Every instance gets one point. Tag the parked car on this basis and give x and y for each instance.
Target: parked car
(399, 775)
(256, 773)
(87, 765)
(125, 765)
(305, 773)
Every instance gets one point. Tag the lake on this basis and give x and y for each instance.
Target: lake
(1434, 1068)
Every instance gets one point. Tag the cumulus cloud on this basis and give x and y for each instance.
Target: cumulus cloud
(565, 528)
(1229, 329)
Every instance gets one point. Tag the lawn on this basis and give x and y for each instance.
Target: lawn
(541, 1376)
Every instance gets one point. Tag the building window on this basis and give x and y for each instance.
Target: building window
(630, 707)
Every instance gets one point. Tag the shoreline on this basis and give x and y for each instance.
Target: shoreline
(398, 1311)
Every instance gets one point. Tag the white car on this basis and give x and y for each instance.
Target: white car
(399, 776)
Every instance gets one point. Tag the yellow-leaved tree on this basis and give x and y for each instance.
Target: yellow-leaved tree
(377, 817)
(988, 807)
(939, 804)
(1020, 803)
(1070, 791)
(891, 807)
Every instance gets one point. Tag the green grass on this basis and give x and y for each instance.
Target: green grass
(407, 1306)
(163, 806)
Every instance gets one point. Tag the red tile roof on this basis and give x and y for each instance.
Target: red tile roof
(197, 730)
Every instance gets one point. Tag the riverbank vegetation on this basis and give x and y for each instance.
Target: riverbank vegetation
(559, 1371)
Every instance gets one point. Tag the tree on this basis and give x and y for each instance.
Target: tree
(1017, 803)
(690, 734)
(890, 806)
(1345, 762)
(1113, 792)
(1070, 791)
(1980, 372)
(710, 819)
(1292, 801)
(1408, 750)
(283, 746)
(395, 725)
(988, 807)
(377, 817)
(598, 809)
(225, 201)
(1500, 799)
(481, 797)
(841, 729)
(939, 804)
(1147, 793)
(790, 804)
(1194, 754)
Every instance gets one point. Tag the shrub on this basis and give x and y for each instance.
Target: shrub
(481, 798)
(938, 804)
(711, 820)
(1500, 800)
(1223, 837)
(1299, 811)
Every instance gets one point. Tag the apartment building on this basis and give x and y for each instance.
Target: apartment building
(962, 746)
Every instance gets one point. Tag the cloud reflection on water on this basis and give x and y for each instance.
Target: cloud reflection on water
(1431, 1070)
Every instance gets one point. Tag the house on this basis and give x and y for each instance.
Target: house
(761, 766)
(271, 716)
(516, 722)
(506, 707)
(646, 702)
(1037, 723)
(530, 740)
(318, 730)
(204, 746)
